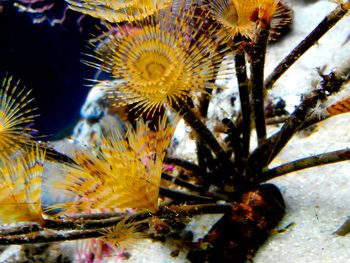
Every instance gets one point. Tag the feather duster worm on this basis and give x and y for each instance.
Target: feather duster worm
(20, 186)
(15, 118)
(118, 10)
(162, 60)
(124, 173)
(281, 22)
(240, 16)
(344, 3)
(113, 243)
(123, 234)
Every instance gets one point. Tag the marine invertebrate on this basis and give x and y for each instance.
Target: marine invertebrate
(20, 184)
(123, 234)
(123, 173)
(162, 61)
(118, 10)
(16, 117)
(239, 17)
(319, 111)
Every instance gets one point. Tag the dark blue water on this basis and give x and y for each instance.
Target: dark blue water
(47, 60)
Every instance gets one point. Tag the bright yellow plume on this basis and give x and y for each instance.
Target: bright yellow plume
(240, 16)
(20, 187)
(15, 118)
(161, 61)
(123, 173)
(118, 10)
(123, 234)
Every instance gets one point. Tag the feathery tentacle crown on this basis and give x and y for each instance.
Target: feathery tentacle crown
(123, 234)
(162, 60)
(20, 186)
(15, 117)
(124, 173)
(115, 11)
(239, 16)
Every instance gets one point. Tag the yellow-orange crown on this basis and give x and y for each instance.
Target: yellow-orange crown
(20, 186)
(240, 16)
(123, 173)
(162, 60)
(16, 118)
(118, 10)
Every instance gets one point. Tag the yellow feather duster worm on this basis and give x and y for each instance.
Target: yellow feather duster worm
(344, 3)
(20, 186)
(118, 10)
(15, 117)
(123, 173)
(123, 234)
(160, 61)
(240, 16)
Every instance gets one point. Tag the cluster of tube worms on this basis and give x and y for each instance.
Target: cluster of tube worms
(163, 58)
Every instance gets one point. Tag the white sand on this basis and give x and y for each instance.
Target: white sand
(317, 199)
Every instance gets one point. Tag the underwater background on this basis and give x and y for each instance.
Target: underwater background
(46, 57)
